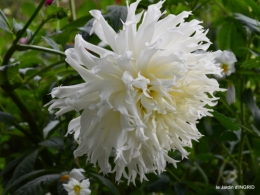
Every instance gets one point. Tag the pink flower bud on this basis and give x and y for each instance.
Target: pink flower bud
(48, 2)
(23, 40)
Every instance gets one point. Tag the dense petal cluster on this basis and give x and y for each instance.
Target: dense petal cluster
(143, 98)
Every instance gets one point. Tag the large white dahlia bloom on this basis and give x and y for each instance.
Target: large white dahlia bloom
(143, 98)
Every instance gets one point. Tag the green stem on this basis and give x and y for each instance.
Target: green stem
(11, 50)
(252, 154)
(203, 3)
(73, 10)
(172, 174)
(37, 30)
(230, 155)
(242, 139)
(26, 114)
(216, 1)
(39, 48)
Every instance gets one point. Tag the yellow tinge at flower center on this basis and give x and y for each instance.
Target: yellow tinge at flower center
(77, 189)
(224, 67)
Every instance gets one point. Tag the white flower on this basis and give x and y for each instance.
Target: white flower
(227, 61)
(143, 98)
(77, 174)
(229, 176)
(75, 187)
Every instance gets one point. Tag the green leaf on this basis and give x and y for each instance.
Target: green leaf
(54, 142)
(232, 36)
(6, 118)
(159, 185)
(52, 43)
(248, 99)
(117, 14)
(23, 178)
(225, 121)
(10, 166)
(228, 136)
(28, 8)
(4, 27)
(25, 166)
(107, 183)
(38, 186)
(4, 18)
(193, 186)
(252, 24)
(179, 188)
(17, 26)
(252, 63)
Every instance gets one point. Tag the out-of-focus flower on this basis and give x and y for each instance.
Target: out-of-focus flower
(48, 2)
(75, 187)
(229, 176)
(143, 98)
(227, 61)
(75, 174)
(23, 40)
(231, 94)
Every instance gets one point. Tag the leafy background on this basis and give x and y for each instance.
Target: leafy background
(34, 153)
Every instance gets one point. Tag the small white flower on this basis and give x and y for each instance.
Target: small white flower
(143, 98)
(77, 174)
(75, 187)
(229, 176)
(227, 61)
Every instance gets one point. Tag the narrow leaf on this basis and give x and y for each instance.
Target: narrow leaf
(179, 188)
(23, 178)
(4, 27)
(107, 183)
(10, 166)
(4, 18)
(38, 186)
(6, 117)
(159, 185)
(117, 14)
(25, 166)
(252, 63)
(51, 43)
(17, 26)
(54, 142)
(225, 121)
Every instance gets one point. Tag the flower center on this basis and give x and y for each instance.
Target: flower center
(64, 177)
(77, 189)
(224, 67)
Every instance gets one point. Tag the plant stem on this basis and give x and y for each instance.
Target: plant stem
(11, 50)
(37, 30)
(216, 1)
(26, 114)
(39, 48)
(230, 155)
(242, 138)
(73, 10)
(172, 174)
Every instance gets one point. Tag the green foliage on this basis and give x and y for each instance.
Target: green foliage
(33, 159)
(106, 183)
(226, 122)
